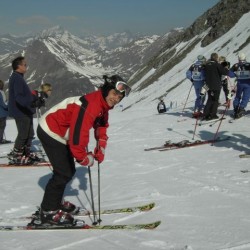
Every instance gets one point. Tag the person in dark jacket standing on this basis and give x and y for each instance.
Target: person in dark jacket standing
(224, 81)
(213, 73)
(19, 106)
(64, 132)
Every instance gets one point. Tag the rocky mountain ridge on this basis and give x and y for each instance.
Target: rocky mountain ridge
(75, 65)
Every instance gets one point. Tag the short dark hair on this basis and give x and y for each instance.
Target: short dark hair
(17, 61)
(214, 57)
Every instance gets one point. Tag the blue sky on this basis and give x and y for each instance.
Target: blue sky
(102, 17)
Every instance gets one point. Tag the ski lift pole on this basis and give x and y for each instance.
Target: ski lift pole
(187, 98)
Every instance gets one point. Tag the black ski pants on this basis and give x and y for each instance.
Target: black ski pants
(25, 131)
(212, 103)
(63, 170)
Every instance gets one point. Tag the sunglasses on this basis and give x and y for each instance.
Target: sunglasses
(122, 87)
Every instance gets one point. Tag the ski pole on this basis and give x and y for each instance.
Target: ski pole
(91, 193)
(197, 118)
(196, 123)
(187, 98)
(38, 116)
(92, 196)
(99, 195)
(99, 190)
(216, 133)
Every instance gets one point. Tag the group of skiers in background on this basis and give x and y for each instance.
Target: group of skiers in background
(208, 77)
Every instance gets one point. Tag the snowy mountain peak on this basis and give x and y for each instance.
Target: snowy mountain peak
(55, 31)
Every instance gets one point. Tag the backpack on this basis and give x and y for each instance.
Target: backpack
(242, 71)
(197, 74)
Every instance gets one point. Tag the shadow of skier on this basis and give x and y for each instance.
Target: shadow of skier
(82, 176)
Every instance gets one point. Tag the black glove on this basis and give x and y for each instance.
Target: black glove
(226, 64)
(38, 103)
(42, 95)
(39, 100)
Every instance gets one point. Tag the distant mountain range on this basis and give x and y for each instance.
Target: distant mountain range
(75, 65)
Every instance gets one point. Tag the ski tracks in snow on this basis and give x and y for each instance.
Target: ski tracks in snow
(243, 246)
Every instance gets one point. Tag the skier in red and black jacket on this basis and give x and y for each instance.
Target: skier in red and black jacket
(64, 133)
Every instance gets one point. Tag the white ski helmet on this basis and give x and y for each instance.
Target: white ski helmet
(241, 56)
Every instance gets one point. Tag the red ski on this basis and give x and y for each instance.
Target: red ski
(37, 164)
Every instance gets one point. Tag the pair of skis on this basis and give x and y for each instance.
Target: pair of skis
(184, 144)
(84, 226)
(83, 213)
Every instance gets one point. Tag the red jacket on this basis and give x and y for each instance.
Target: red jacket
(70, 121)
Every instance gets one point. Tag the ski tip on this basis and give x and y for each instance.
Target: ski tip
(157, 223)
(245, 171)
(244, 156)
(147, 226)
(147, 207)
(153, 225)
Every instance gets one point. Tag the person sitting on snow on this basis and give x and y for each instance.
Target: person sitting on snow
(161, 107)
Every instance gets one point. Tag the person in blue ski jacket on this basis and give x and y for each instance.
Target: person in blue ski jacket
(196, 74)
(241, 71)
(3, 113)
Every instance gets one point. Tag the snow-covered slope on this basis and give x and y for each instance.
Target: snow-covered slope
(229, 45)
(201, 196)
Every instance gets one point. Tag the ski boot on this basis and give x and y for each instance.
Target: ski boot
(235, 114)
(17, 157)
(241, 112)
(72, 209)
(31, 155)
(57, 217)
